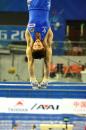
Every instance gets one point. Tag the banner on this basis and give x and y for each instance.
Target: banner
(12, 33)
(42, 106)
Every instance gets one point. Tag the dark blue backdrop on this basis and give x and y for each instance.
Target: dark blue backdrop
(73, 9)
(14, 5)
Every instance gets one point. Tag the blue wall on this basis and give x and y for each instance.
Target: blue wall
(74, 9)
(14, 5)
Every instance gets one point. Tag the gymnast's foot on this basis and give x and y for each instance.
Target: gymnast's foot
(44, 83)
(34, 83)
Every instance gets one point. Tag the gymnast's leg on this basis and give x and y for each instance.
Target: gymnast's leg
(47, 60)
(29, 41)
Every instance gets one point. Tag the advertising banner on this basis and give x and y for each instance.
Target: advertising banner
(42, 106)
(10, 33)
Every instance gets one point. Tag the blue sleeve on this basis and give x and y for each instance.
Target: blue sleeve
(39, 4)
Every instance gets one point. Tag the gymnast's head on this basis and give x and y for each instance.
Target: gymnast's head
(38, 50)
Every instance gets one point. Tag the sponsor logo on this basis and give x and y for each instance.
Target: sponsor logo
(18, 107)
(80, 106)
(19, 103)
(45, 107)
(31, 25)
(19, 110)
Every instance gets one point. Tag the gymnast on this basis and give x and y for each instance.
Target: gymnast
(39, 38)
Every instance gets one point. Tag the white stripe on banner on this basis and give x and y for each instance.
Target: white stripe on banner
(42, 106)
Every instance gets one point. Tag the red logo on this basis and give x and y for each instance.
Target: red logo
(19, 103)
